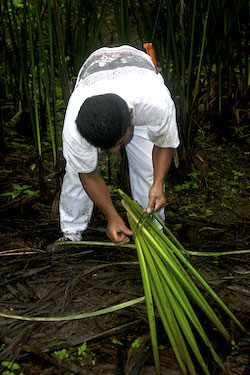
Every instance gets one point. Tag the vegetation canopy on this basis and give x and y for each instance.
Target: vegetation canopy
(201, 48)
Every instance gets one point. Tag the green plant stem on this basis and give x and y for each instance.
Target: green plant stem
(77, 316)
(34, 74)
(61, 49)
(156, 22)
(216, 253)
(161, 296)
(190, 63)
(148, 298)
(203, 283)
(196, 89)
(94, 243)
(170, 281)
(180, 271)
(172, 311)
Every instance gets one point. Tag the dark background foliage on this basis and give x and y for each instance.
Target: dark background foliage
(202, 50)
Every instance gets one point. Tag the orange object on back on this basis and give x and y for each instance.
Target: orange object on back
(150, 51)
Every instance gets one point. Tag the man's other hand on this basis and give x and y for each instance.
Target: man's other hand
(117, 231)
(157, 199)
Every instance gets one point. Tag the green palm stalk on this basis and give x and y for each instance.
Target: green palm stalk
(149, 303)
(168, 285)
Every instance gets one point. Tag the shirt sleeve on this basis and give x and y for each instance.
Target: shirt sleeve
(162, 127)
(83, 158)
(78, 153)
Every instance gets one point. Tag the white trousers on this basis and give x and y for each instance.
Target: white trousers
(76, 207)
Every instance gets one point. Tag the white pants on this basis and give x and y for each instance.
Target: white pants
(75, 205)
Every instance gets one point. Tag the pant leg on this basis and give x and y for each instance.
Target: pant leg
(75, 207)
(139, 153)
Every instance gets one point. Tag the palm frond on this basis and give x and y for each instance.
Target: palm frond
(168, 286)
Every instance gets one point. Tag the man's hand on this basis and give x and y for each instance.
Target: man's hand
(162, 158)
(117, 231)
(157, 198)
(98, 192)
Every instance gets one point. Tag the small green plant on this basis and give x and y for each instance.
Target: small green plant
(62, 354)
(234, 345)
(225, 205)
(207, 212)
(10, 367)
(113, 190)
(18, 190)
(188, 208)
(236, 182)
(116, 342)
(190, 184)
(20, 143)
(84, 351)
(18, 3)
(237, 174)
(136, 343)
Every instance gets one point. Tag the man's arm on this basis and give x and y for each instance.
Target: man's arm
(162, 158)
(98, 191)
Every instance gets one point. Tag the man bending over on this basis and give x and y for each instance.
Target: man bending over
(119, 99)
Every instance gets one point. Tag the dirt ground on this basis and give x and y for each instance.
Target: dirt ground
(207, 211)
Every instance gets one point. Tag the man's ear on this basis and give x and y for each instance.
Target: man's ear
(131, 112)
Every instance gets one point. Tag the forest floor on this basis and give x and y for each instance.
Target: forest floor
(208, 210)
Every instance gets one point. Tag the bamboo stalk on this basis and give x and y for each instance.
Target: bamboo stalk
(34, 82)
(61, 49)
(46, 83)
(202, 50)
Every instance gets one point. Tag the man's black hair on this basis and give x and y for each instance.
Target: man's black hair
(103, 120)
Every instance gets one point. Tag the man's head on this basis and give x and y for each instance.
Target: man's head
(103, 120)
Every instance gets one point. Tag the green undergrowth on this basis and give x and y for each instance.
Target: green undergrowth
(217, 184)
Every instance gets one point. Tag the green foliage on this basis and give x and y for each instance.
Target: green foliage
(189, 208)
(19, 190)
(198, 45)
(18, 3)
(136, 343)
(84, 351)
(234, 345)
(225, 205)
(194, 210)
(190, 184)
(20, 143)
(113, 190)
(62, 354)
(116, 342)
(207, 211)
(10, 368)
(237, 174)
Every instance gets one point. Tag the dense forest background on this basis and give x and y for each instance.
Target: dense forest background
(202, 50)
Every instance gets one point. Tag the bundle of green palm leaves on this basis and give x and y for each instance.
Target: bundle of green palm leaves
(169, 288)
